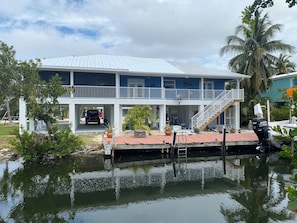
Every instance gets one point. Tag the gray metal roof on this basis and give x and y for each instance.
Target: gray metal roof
(138, 65)
(283, 76)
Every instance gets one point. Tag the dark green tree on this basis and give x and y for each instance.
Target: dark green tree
(260, 4)
(21, 79)
(9, 77)
(42, 97)
(283, 65)
(253, 46)
(39, 201)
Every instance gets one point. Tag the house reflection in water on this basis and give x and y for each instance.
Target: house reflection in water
(158, 178)
(78, 189)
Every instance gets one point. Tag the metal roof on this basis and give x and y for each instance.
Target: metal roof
(283, 76)
(139, 65)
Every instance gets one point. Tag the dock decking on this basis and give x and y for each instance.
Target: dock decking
(201, 140)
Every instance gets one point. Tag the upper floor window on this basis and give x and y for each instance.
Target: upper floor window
(47, 75)
(94, 79)
(169, 83)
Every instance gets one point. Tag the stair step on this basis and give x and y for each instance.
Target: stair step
(222, 103)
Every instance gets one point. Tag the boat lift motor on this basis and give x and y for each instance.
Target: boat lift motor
(260, 127)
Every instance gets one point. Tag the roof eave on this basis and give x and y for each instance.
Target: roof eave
(126, 71)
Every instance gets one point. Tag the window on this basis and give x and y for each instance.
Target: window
(47, 75)
(169, 83)
(94, 79)
(294, 82)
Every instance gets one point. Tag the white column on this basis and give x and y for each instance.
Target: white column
(237, 115)
(22, 115)
(162, 115)
(237, 109)
(71, 82)
(154, 114)
(118, 84)
(116, 121)
(268, 111)
(202, 88)
(77, 116)
(31, 125)
(72, 116)
(162, 88)
(120, 118)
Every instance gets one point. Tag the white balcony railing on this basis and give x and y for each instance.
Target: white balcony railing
(143, 92)
(94, 92)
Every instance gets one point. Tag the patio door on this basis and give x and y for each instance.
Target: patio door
(208, 90)
(136, 88)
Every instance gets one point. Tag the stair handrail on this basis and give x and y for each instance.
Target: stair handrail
(215, 106)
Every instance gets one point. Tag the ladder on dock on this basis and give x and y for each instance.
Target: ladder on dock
(181, 144)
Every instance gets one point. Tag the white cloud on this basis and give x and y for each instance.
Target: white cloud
(186, 30)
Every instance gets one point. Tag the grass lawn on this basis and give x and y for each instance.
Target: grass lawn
(6, 129)
(91, 140)
(7, 134)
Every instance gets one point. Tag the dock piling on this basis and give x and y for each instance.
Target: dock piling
(224, 150)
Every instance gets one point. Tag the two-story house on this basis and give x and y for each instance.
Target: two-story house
(280, 83)
(178, 93)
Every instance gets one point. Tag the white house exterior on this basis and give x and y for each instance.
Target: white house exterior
(181, 94)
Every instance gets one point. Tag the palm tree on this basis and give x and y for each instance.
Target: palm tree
(253, 51)
(283, 65)
(138, 118)
(258, 200)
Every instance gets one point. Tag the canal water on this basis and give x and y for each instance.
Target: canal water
(147, 188)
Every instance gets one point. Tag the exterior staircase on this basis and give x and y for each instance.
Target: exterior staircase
(211, 111)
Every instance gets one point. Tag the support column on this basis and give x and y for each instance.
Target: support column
(162, 117)
(118, 84)
(71, 83)
(31, 125)
(77, 117)
(202, 88)
(120, 118)
(237, 115)
(154, 114)
(22, 115)
(237, 109)
(162, 88)
(72, 117)
(116, 121)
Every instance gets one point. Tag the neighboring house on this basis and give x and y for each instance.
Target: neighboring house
(179, 94)
(279, 85)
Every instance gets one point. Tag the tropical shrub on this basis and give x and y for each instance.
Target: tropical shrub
(280, 113)
(139, 118)
(40, 147)
(289, 151)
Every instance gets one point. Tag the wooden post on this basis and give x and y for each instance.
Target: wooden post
(112, 144)
(173, 143)
(224, 149)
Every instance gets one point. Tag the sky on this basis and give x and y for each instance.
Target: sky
(190, 31)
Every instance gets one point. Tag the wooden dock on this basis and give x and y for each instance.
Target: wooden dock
(201, 140)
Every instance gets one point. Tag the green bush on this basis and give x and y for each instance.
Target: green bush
(39, 147)
(280, 113)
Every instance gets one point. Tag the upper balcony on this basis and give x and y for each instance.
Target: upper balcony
(142, 93)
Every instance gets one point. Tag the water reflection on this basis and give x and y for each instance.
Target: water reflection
(93, 189)
(259, 200)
